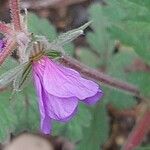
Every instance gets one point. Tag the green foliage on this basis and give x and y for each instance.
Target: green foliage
(86, 55)
(97, 133)
(7, 65)
(109, 25)
(26, 110)
(40, 26)
(73, 129)
(142, 80)
(117, 68)
(18, 113)
(145, 3)
(131, 26)
(144, 147)
(7, 117)
(100, 40)
(15, 114)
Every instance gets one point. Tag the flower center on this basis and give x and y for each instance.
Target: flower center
(38, 51)
(37, 56)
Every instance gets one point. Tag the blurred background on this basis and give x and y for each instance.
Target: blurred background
(116, 43)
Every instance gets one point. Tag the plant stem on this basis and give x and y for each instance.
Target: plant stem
(140, 130)
(15, 14)
(10, 45)
(4, 29)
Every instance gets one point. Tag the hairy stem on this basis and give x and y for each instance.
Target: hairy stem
(10, 45)
(140, 130)
(4, 29)
(99, 76)
(15, 14)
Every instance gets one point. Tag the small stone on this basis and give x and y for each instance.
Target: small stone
(29, 142)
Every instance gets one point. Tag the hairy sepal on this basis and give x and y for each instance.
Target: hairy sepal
(10, 75)
(67, 37)
(22, 78)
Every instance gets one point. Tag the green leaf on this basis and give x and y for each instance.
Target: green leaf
(129, 23)
(99, 39)
(142, 80)
(40, 26)
(143, 147)
(69, 49)
(96, 135)
(85, 55)
(126, 10)
(8, 64)
(73, 129)
(135, 34)
(26, 110)
(10, 75)
(117, 68)
(7, 117)
(144, 3)
(119, 99)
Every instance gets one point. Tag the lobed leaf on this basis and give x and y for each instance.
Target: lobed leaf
(95, 135)
(74, 129)
(7, 119)
(26, 110)
(40, 26)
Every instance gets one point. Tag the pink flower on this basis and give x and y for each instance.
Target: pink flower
(59, 90)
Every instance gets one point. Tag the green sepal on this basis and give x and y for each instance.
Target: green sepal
(54, 54)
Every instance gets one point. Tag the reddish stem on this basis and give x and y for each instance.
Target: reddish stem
(140, 130)
(4, 29)
(15, 14)
(10, 45)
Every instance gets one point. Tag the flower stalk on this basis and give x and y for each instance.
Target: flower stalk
(9, 46)
(15, 14)
(4, 29)
(16, 36)
(140, 130)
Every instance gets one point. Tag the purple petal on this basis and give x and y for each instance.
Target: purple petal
(94, 99)
(46, 125)
(61, 109)
(65, 82)
(45, 120)
(1, 45)
(57, 108)
(59, 89)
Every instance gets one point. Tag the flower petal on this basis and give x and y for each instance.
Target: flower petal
(65, 82)
(45, 120)
(45, 125)
(57, 108)
(61, 109)
(1, 45)
(94, 99)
